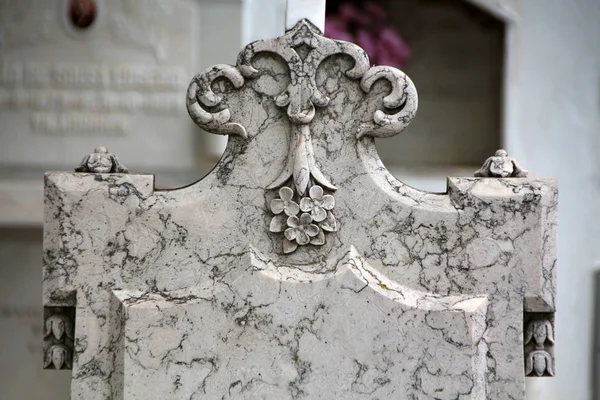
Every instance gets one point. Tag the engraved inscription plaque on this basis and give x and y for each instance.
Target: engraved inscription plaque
(73, 74)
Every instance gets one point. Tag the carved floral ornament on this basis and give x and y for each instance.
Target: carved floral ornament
(304, 209)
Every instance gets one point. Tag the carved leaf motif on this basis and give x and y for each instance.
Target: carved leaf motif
(540, 331)
(403, 97)
(330, 223)
(58, 325)
(278, 223)
(289, 246)
(201, 94)
(300, 164)
(318, 240)
(57, 355)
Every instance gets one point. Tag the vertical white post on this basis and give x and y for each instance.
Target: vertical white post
(312, 10)
(262, 19)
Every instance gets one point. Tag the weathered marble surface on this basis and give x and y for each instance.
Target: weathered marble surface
(187, 293)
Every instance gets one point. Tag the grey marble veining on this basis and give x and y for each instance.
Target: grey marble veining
(197, 292)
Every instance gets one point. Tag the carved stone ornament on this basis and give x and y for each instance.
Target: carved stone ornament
(59, 332)
(101, 162)
(539, 344)
(500, 165)
(304, 210)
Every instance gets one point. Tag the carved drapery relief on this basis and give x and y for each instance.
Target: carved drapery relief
(59, 330)
(304, 210)
(539, 344)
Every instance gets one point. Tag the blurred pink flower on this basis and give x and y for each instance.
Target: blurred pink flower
(336, 29)
(375, 12)
(366, 27)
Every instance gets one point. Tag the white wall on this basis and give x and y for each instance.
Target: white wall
(552, 127)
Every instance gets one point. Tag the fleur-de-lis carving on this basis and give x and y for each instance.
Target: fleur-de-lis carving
(303, 48)
(540, 331)
(540, 362)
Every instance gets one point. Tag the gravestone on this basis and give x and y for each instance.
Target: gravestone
(299, 268)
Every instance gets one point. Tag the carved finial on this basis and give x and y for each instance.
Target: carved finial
(101, 162)
(500, 165)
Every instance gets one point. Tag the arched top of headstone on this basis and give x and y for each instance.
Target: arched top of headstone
(321, 93)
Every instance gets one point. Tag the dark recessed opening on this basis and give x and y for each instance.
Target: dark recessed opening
(82, 13)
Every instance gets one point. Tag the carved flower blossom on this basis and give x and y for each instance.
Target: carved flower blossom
(317, 204)
(285, 203)
(301, 229)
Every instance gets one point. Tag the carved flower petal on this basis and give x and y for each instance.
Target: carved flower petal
(292, 208)
(293, 222)
(289, 246)
(286, 193)
(328, 202)
(318, 240)
(305, 219)
(316, 192)
(312, 230)
(329, 224)
(318, 213)
(302, 238)
(306, 204)
(277, 206)
(278, 223)
(291, 233)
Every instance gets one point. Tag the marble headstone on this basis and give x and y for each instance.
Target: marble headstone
(299, 268)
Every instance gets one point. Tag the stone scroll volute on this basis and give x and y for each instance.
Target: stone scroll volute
(304, 207)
